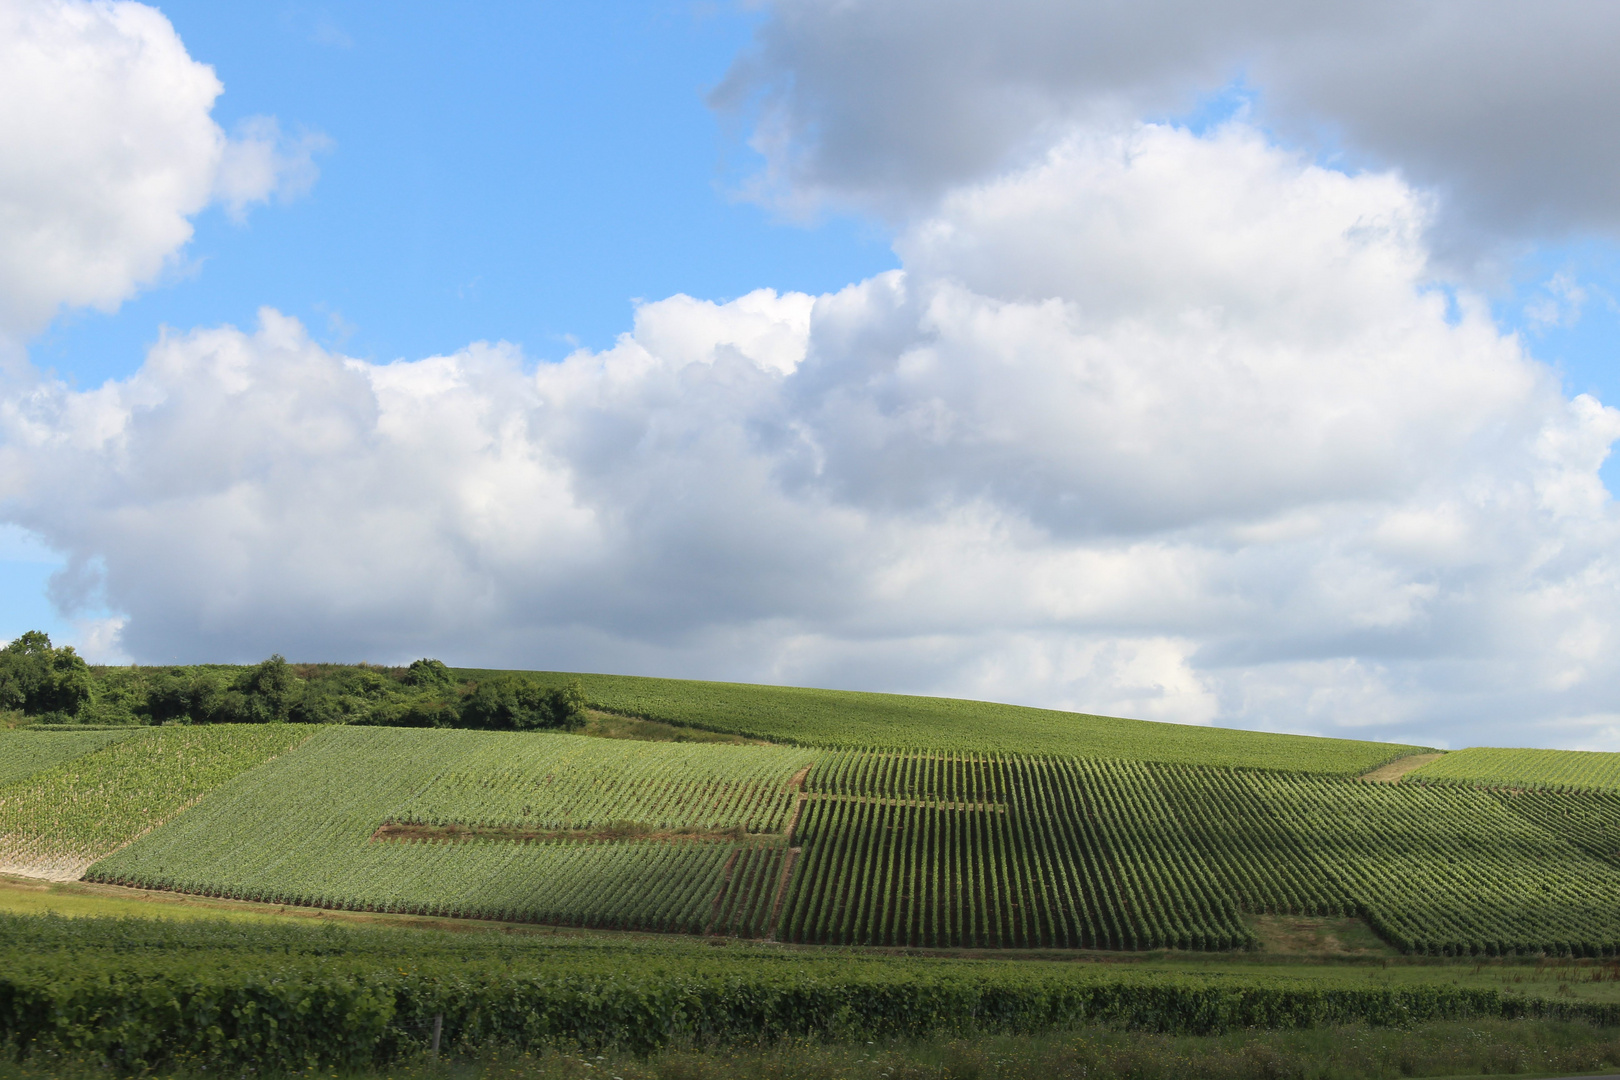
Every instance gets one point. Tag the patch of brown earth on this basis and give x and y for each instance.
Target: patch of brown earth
(1392, 773)
(622, 830)
(934, 804)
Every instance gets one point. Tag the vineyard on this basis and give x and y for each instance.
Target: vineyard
(24, 753)
(841, 719)
(1490, 766)
(303, 830)
(1004, 851)
(891, 849)
(562, 783)
(150, 996)
(56, 821)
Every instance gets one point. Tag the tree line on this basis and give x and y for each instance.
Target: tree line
(42, 683)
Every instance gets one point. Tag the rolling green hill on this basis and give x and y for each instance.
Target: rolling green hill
(858, 819)
(937, 849)
(852, 720)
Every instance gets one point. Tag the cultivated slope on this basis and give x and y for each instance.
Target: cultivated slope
(1497, 767)
(846, 719)
(920, 849)
(56, 821)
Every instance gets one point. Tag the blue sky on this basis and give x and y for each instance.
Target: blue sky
(1124, 390)
(519, 172)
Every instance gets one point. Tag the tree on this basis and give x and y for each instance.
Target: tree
(428, 674)
(517, 703)
(567, 706)
(271, 688)
(40, 680)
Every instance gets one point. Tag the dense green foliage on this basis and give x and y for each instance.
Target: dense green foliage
(845, 719)
(26, 752)
(56, 821)
(140, 995)
(38, 680)
(300, 830)
(924, 849)
(56, 685)
(1495, 767)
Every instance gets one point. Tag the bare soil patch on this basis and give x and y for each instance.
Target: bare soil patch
(615, 831)
(605, 725)
(1392, 773)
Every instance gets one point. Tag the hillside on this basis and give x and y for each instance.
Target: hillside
(429, 694)
(938, 849)
(1489, 766)
(849, 719)
(858, 819)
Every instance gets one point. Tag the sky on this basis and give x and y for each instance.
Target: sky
(1250, 364)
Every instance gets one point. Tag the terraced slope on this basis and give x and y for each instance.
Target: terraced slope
(845, 719)
(1498, 767)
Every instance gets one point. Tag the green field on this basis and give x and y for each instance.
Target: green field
(229, 997)
(1012, 851)
(55, 821)
(843, 719)
(26, 752)
(300, 831)
(932, 850)
(1495, 767)
(856, 820)
(862, 887)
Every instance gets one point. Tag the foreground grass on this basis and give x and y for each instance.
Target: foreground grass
(1525, 1048)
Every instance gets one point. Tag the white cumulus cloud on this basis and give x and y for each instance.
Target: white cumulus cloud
(108, 151)
(1162, 424)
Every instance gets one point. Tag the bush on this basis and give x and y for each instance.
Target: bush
(514, 703)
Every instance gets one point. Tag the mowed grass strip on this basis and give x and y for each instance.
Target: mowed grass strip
(1492, 766)
(56, 822)
(852, 720)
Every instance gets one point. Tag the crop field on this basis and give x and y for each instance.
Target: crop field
(841, 719)
(893, 849)
(301, 830)
(56, 821)
(24, 753)
(1015, 852)
(1494, 767)
(574, 783)
(154, 995)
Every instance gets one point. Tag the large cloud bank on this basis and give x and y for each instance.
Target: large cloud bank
(1153, 422)
(1166, 425)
